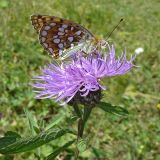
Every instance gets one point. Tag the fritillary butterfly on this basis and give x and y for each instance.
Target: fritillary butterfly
(57, 35)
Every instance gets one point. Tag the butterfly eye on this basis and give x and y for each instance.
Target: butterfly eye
(103, 44)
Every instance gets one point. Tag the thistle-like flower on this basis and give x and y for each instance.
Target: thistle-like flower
(80, 79)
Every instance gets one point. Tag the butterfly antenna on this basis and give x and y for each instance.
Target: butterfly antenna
(114, 29)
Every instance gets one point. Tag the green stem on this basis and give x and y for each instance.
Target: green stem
(77, 110)
(83, 120)
(77, 154)
(81, 123)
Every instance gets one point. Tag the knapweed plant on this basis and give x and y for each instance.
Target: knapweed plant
(77, 85)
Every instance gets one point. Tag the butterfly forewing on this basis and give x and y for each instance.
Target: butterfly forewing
(38, 21)
(56, 35)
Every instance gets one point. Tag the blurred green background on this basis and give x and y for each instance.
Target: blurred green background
(136, 137)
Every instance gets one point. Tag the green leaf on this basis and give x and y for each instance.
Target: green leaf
(27, 144)
(81, 145)
(71, 119)
(107, 107)
(59, 150)
(10, 137)
(12, 134)
(98, 153)
(33, 127)
(56, 119)
(32, 123)
(8, 157)
(77, 110)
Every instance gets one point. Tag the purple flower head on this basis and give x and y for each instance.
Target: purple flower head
(81, 76)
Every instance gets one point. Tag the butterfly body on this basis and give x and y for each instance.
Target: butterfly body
(61, 37)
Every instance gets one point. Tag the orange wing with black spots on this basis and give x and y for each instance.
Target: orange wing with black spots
(57, 34)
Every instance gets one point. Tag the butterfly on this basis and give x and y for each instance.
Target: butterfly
(61, 37)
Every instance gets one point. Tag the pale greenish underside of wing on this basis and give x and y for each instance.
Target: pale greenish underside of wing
(83, 46)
